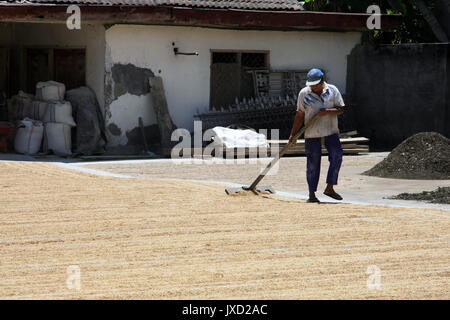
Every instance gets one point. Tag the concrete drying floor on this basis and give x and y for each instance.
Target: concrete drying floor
(172, 239)
(290, 179)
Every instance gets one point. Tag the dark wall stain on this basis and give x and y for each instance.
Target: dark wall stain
(119, 90)
(151, 134)
(131, 79)
(108, 93)
(114, 129)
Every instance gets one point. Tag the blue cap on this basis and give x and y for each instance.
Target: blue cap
(314, 77)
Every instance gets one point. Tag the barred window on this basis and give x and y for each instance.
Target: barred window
(231, 75)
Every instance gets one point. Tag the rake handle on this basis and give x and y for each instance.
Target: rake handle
(280, 154)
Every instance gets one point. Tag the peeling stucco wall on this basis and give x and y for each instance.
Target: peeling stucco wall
(131, 79)
(127, 97)
(148, 50)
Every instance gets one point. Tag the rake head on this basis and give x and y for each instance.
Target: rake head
(263, 189)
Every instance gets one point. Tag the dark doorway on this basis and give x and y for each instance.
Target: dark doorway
(70, 67)
(67, 66)
(38, 68)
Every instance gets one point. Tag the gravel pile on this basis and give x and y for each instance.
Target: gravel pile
(425, 155)
(440, 195)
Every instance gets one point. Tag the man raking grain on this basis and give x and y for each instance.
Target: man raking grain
(325, 100)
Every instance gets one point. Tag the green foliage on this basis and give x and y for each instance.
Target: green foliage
(413, 29)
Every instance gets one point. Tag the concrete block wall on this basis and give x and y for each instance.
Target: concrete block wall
(399, 90)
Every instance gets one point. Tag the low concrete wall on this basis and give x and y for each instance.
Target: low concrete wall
(399, 90)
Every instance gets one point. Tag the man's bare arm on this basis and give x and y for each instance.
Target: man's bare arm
(299, 117)
(336, 110)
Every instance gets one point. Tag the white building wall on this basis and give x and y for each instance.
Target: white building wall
(187, 78)
(91, 37)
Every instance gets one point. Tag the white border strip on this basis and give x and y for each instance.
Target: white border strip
(414, 205)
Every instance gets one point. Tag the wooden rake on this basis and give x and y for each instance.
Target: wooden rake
(254, 186)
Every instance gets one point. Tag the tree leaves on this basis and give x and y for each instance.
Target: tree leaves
(413, 29)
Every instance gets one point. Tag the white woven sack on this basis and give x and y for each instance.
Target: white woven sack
(58, 138)
(50, 90)
(29, 136)
(38, 110)
(59, 111)
(232, 138)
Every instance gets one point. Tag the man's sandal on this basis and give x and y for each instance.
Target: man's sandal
(333, 195)
(313, 200)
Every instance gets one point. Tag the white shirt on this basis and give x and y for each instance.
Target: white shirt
(310, 103)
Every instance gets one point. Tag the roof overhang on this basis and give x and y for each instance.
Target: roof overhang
(235, 19)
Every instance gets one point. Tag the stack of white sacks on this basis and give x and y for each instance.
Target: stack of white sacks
(46, 117)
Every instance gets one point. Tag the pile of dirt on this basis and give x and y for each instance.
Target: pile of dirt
(425, 155)
(440, 195)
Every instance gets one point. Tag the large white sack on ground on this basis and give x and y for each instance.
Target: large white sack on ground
(20, 106)
(38, 110)
(59, 111)
(58, 138)
(232, 138)
(29, 136)
(50, 90)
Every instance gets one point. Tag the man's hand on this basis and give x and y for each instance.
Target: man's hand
(299, 117)
(322, 112)
(291, 140)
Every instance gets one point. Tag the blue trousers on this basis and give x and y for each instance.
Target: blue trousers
(313, 148)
